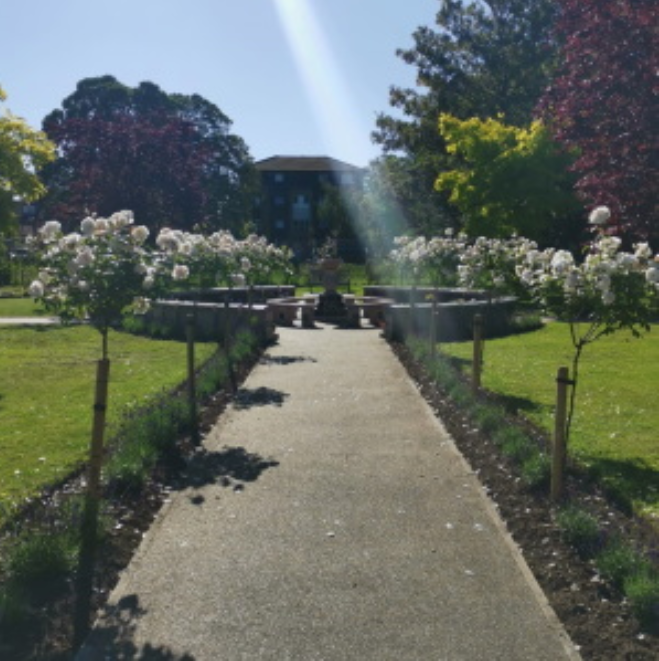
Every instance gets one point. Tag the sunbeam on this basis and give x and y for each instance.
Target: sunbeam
(325, 87)
(331, 100)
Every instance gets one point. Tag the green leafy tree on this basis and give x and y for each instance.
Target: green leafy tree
(169, 157)
(512, 181)
(22, 151)
(485, 58)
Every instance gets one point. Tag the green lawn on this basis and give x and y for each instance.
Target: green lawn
(47, 379)
(20, 307)
(616, 426)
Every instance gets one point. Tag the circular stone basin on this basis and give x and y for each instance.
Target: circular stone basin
(285, 311)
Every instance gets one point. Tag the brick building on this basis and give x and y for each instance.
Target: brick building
(292, 187)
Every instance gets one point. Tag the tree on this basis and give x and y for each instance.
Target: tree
(604, 102)
(169, 158)
(487, 58)
(22, 151)
(514, 180)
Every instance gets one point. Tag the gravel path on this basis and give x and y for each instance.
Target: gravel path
(351, 529)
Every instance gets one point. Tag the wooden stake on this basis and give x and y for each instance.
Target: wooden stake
(227, 345)
(192, 386)
(477, 362)
(87, 556)
(559, 450)
(412, 320)
(433, 328)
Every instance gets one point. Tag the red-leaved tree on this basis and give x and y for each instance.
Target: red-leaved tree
(153, 165)
(170, 158)
(604, 103)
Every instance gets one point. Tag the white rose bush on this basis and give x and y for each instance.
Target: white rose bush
(106, 269)
(96, 274)
(221, 259)
(435, 259)
(101, 272)
(607, 291)
(603, 291)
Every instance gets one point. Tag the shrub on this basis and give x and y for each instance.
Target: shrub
(37, 557)
(642, 590)
(579, 529)
(143, 436)
(618, 561)
(536, 470)
(488, 418)
(514, 443)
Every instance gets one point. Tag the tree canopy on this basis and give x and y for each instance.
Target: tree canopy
(22, 151)
(170, 158)
(604, 102)
(484, 59)
(514, 180)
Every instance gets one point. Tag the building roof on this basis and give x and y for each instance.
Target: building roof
(304, 164)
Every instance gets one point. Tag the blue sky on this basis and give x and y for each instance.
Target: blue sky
(304, 77)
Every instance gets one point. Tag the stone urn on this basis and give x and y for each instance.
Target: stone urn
(330, 302)
(329, 268)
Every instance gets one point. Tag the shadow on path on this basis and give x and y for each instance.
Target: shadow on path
(246, 398)
(226, 467)
(286, 360)
(114, 638)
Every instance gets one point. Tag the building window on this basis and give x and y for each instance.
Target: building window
(279, 200)
(278, 177)
(347, 179)
(301, 209)
(280, 224)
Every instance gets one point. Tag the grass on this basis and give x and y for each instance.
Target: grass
(47, 379)
(616, 419)
(20, 307)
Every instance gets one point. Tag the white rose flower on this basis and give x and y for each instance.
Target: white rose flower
(36, 289)
(167, 241)
(572, 280)
(561, 262)
(652, 275)
(70, 241)
(180, 272)
(50, 230)
(141, 305)
(599, 216)
(643, 251)
(85, 258)
(45, 277)
(185, 248)
(139, 234)
(121, 219)
(87, 226)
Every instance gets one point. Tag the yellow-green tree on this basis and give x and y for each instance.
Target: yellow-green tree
(23, 151)
(510, 180)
